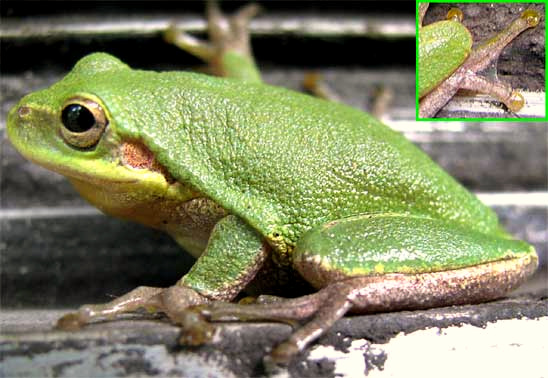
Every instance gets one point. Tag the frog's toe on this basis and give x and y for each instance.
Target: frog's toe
(196, 330)
(455, 14)
(69, 322)
(266, 307)
(172, 301)
(226, 33)
(201, 49)
(531, 16)
(515, 102)
(315, 84)
(324, 307)
(228, 51)
(86, 314)
(261, 299)
(235, 26)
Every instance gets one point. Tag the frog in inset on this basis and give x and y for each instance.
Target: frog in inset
(447, 62)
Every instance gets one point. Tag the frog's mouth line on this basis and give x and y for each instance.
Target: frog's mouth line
(113, 174)
(98, 176)
(136, 164)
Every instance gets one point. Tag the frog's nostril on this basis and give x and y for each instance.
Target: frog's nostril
(23, 111)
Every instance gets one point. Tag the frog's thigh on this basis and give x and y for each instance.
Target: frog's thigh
(412, 261)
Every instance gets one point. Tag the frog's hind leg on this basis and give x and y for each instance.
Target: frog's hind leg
(326, 307)
(373, 294)
(360, 266)
(480, 57)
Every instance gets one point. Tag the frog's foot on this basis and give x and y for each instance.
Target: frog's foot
(326, 306)
(367, 294)
(480, 58)
(486, 53)
(228, 52)
(424, 263)
(463, 78)
(172, 301)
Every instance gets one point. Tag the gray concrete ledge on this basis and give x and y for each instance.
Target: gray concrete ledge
(373, 345)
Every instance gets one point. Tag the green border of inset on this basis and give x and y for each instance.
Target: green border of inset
(477, 119)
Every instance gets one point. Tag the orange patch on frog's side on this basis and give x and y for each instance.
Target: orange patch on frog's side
(136, 155)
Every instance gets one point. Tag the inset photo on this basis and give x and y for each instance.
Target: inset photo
(481, 61)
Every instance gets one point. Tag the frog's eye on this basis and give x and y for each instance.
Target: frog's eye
(84, 122)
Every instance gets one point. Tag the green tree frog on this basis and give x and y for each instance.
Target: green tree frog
(272, 191)
(447, 61)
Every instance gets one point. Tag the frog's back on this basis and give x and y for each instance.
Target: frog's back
(282, 160)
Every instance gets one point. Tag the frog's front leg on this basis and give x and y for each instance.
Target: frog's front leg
(386, 262)
(480, 57)
(234, 254)
(147, 297)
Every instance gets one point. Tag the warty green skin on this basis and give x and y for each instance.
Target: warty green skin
(443, 47)
(282, 161)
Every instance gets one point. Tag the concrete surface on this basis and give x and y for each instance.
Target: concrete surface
(463, 340)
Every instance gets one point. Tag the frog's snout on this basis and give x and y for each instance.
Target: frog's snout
(17, 114)
(26, 125)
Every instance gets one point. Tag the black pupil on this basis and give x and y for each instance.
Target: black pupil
(77, 118)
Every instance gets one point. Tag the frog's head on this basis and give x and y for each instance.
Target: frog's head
(68, 129)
